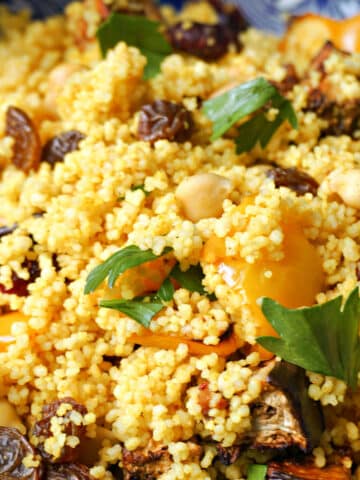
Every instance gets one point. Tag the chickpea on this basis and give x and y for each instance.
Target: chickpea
(347, 185)
(57, 78)
(9, 417)
(202, 195)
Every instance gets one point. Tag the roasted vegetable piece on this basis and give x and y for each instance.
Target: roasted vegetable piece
(298, 181)
(294, 471)
(13, 449)
(67, 471)
(164, 120)
(284, 416)
(57, 147)
(42, 429)
(145, 464)
(27, 145)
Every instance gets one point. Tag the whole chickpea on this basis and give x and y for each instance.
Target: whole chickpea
(202, 195)
(347, 185)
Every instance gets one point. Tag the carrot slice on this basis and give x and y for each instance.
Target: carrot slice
(223, 349)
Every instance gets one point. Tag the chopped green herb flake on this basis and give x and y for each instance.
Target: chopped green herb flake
(139, 310)
(323, 338)
(257, 472)
(166, 290)
(118, 263)
(191, 279)
(140, 187)
(139, 32)
(227, 109)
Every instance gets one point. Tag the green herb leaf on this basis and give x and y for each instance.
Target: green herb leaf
(257, 472)
(227, 109)
(191, 279)
(139, 310)
(118, 263)
(166, 290)
(323, 338)
(139, 32)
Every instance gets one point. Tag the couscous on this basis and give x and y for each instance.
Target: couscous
(142, 225)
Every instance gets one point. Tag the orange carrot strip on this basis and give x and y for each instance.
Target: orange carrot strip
(168, 342)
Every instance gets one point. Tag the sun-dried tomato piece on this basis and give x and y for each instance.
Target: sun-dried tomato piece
(27, 146)
(57, 147)
(13, 449)
(68, 471)
(298, 181)
(164, 120)
(43, 431)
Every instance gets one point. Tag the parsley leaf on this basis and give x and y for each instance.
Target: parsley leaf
(230, 107)
(118, 263)
(139, 310)
(140, 187)
(191, 279)
(323, 338)
(166, 290)
(257, 472)
(139, 32)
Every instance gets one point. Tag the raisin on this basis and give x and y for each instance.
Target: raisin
(299, 182)
(42, 429)
(228, 455)
(289, 81)
(164, 120)
(13, 449)
(68, 471)
(20, 285)
(208, 41)
(27, 145)
(57, 147)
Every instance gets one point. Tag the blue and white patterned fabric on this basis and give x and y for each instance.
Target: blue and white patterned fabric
(268, 15)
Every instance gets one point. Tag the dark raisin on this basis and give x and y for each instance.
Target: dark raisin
(209, 41)
(298, 181)
(20, 285)
(57, 147)
(5, 230)
(13, 449)
(289, 81)
(164, 120)
(68, 471)
(228, 455)
(27, 145)
(42, 429)
(202, 40)
(144, 463)
(318, 61)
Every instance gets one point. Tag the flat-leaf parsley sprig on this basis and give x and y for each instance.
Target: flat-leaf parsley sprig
(256, 96)
(136, 31)
(142, 309)
(323, 338)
